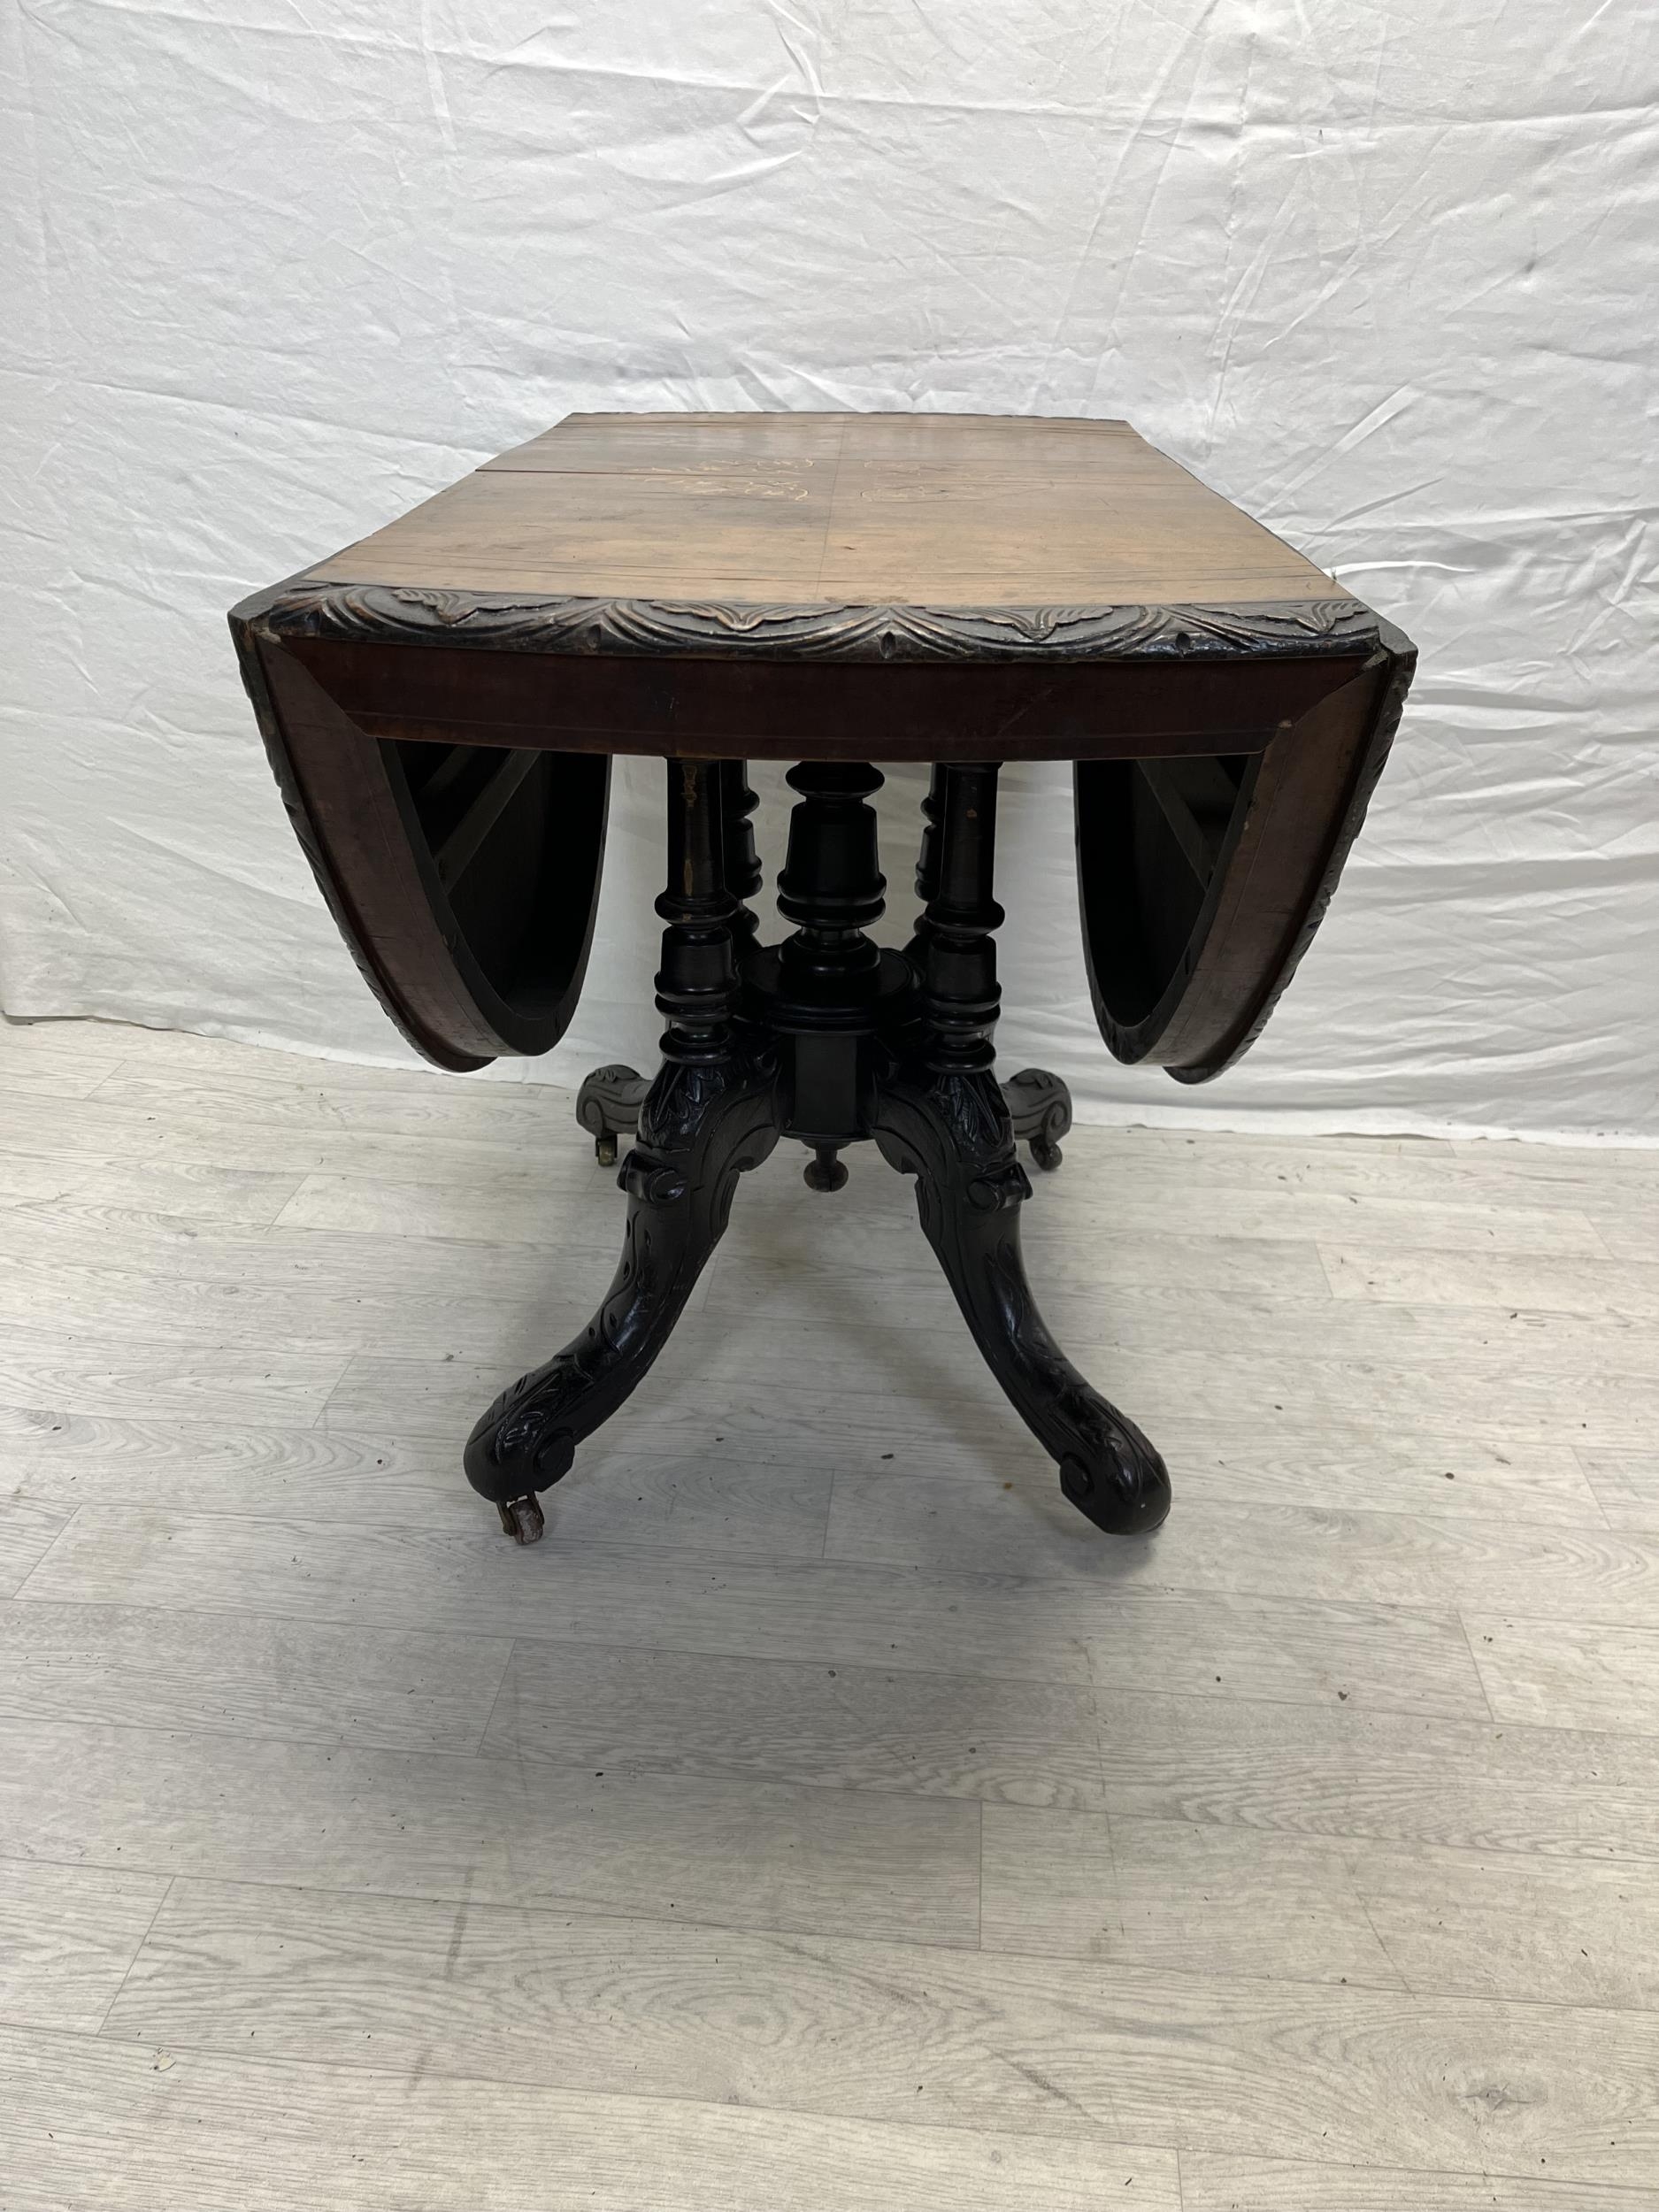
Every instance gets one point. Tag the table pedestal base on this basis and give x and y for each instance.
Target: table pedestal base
(827, 1040)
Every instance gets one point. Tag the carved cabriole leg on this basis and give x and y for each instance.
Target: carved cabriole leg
(940, 1117)
(709, 1114)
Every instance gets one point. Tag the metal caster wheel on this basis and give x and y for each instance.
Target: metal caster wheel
(608, 1106)
(1039, 1106)
(521, 1518)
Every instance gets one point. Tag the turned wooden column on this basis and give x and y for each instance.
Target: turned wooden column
(743, 876)
(952, 948)
(696, 985)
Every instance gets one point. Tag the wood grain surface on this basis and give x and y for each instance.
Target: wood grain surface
(925, 510)
(189, 2126)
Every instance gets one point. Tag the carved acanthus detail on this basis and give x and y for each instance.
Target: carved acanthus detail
(405, 614)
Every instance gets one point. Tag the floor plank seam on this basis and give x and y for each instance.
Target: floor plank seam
(692, 1560)
(1195, 1976)
(1401, 1977)
(1097, 1726)
(812, 1661)
(319, 1421)
(44, 1470)
(1111, 1862)
(979, 1890)
(629, 1771)
(1640, 2196)
(16, 1594)
(1474, 1661)
(1600, 1502)
(138, 1954)
(568, 1910)
(967, 2127)
(1604, 1250)
(808, 1662)
(489, 1717)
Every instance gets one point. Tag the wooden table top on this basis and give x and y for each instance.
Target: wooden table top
(808, 513)
(796, 588)
(901, 587)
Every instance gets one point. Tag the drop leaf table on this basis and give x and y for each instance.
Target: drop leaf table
(441, 703)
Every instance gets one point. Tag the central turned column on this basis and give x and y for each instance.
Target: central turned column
(825, 987)
(831, 886)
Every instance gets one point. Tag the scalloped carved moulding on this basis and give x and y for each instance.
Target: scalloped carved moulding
(389, 614)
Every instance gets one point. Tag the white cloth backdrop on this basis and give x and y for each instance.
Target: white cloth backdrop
(1381, 271)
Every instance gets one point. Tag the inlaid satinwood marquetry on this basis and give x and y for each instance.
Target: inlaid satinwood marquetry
(440, 700)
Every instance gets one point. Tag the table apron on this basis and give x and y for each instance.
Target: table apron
(789, 710)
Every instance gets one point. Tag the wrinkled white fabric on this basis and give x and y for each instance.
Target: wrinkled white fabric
(1381, 271)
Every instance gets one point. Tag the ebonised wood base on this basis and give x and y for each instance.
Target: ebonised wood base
(829, 1041)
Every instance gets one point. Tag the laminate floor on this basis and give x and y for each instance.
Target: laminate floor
(824, 1815)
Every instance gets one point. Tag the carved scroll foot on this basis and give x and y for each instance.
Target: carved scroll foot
(1039, 1106)
(608, 1105)
(701, 1125)
(952, 1132)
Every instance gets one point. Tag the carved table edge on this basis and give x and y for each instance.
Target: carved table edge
(403, 614)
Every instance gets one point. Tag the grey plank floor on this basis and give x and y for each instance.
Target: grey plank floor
(824, 1815)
